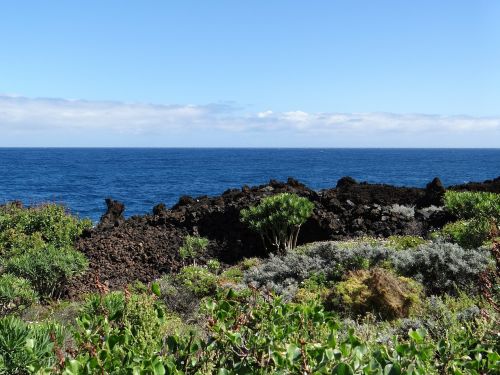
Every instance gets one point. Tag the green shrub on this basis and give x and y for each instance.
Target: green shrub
(479, 214)
(379, 292)
(15, 294)
(140, 314)
(178, 298)
(47, 270)
(197, 279)
(37, 244)
(214, 266)
(193, 246)
(267, 336)
(49, 223)
(28, 348)
(468, 205)
(404, 242)
(248, 263)
(232, 274)
(121, 332)
(469, 234)
(278, 219)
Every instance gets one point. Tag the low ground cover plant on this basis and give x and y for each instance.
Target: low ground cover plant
(441, 267)
(278, 219)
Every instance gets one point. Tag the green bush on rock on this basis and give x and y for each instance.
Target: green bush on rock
(380, 292)
(278, 219)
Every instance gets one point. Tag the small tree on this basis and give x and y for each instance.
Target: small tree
(278, 219)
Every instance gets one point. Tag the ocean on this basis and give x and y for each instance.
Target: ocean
(81, 178)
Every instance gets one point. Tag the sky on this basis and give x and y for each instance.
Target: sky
(260, 73)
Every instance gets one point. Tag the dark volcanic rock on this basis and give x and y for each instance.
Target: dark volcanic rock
(159, 210)
(434, 194)
(364, 193)
(113, 216)
(346, 181)
(135, 250)
(492, 186)
(145, 247)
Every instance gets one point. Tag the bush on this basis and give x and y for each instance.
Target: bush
(232, 274)
(49, 223)
(214, 266)
(468, 205)
(379, 292)
(479, 213)
(468, 233)
(248, 263)
(267, 336)
(283, 274)
(442, 267)
(119, 331)
(278, 219)
(37, 244)
(193, 246)
(139, 314)
(178, 298)
(48, 270)
(28, 348)
(15, 294)
(404, 242)
(198, 280)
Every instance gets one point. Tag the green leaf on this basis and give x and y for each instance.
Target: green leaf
(158, 368)
(392, 369)
(343, 369)
(155, 288)
(292, 352)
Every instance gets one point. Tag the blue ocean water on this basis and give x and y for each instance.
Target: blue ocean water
(82, 178)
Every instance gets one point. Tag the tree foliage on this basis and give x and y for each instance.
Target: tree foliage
(278, 219)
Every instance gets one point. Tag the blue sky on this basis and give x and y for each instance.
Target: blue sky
(250, 73)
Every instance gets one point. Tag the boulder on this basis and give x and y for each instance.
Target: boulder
(113, 216)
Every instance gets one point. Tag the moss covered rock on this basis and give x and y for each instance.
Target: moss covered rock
(377, 291)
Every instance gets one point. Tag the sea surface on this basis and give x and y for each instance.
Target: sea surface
(81, 178)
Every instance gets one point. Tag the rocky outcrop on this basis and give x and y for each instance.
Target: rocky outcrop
(144, 247)
(113, 216)
(433, 194)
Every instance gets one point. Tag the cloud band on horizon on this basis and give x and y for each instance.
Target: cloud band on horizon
(129, 124)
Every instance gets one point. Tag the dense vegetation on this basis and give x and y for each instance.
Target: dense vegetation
(399, 305)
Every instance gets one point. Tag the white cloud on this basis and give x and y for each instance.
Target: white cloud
(27, 116)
